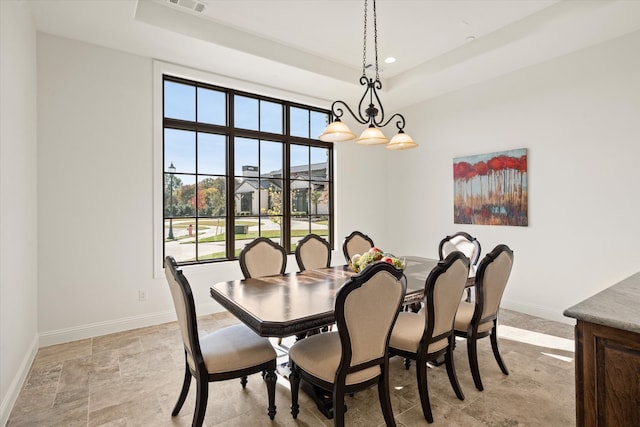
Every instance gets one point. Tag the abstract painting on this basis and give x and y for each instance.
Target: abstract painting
(491, 189)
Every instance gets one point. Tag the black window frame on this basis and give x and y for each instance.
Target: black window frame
(230, 132)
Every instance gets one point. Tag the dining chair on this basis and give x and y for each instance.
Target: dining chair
(480, 319)
(232, 352)
(262, 257)
(313, 252)
(465, 243)
(427, 335)
(356, 356)
(356, 243)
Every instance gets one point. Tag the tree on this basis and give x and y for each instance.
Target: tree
(275, 208)
(200, 203)
(214, 202)
(275, 205)
(315, 198)
(171, 183)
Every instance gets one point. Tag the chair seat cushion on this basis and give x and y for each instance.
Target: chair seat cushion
(320, 354)
(463, 318)
(233, 348)
(408, 332)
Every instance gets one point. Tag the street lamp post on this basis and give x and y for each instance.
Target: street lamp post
(172, 170)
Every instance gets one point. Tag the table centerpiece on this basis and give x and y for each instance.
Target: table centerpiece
(359, 262)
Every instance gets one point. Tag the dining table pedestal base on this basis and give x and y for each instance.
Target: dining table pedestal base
(323, 398)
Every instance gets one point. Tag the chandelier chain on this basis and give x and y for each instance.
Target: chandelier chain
(375, 38)
(364, 41)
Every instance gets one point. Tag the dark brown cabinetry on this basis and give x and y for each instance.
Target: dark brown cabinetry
(608, 356)
(607, 376)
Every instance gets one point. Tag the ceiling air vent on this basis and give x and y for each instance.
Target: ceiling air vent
(194, 5)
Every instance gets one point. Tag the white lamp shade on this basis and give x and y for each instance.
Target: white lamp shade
(372, 136)
(401, 141)
(337, 131)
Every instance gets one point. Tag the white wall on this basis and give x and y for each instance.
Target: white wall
(579, 118)
(94, 191)
(18, 204)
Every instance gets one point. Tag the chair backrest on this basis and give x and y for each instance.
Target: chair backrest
(366, 309)
(185, 311)
(462, 242)
(262, 257)
(313, 252)
(443, 290)
(356, 243)
(491, 280)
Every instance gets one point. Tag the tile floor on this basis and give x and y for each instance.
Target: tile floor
(133, 379)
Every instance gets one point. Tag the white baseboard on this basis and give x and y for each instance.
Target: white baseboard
(536, 310)
(117, 325)
(18, 381)
(103, 328)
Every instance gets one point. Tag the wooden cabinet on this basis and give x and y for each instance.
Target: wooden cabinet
(608, 356)
(607, 376)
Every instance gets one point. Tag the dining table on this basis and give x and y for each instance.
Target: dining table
(297, 303)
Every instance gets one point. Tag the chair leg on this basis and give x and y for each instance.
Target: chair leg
(338, 408)
(421, 376)
(451, 371)
(294, 380)
(185, 390)
(202, 394)
(472, 352)
(385, 399)
(496, 351)
(407, 363)
(271, 380)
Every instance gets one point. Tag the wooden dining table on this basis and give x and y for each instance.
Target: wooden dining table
(300, 302)
(294, 303)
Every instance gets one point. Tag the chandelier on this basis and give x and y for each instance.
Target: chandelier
(373, 114)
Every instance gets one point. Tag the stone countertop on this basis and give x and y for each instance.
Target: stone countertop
(617, 306)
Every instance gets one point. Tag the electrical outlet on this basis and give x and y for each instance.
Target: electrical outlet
(142, 295)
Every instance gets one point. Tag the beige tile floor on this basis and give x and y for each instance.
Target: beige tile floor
(133, 379)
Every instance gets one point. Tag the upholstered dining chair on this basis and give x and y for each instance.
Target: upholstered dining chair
(313, 252)
(480, 319)
(262, 257)
(465, 243)
(427, 335)
(232, 352)
(356, 356)
(356, 243)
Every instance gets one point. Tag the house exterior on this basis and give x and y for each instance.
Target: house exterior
(309, 190)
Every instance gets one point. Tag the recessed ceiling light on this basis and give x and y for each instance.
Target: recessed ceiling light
(471, 38)
(390, 60)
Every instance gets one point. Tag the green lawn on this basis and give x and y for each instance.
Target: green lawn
(252, 235)
(267, 233)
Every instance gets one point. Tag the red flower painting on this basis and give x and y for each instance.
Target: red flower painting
(491, 189)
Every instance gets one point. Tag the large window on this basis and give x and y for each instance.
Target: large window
(237, 166)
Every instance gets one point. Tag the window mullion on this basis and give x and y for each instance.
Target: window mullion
(286, 180)
(231, 181)
(286, 198)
